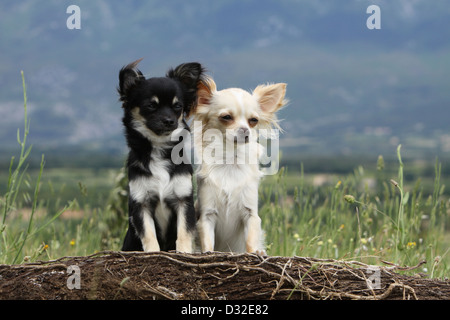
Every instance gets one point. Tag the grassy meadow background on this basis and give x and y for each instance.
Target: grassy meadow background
(372, 210)
(354, 94)
(80, 211)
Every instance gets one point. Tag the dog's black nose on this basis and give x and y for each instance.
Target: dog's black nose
(168, 122)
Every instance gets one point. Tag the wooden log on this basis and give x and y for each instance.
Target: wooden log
(218, 276)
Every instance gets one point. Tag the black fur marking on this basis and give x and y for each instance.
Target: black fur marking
(153, 109)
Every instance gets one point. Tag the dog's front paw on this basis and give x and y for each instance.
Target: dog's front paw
(184, 251)
(151, 246)
(261, 253)
(184, 247)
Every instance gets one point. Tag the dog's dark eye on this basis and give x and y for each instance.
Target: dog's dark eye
(151, 106)
(227, 117)
(177, 106)
(253, 120)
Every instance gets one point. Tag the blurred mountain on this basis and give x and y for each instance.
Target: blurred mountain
(352, 90)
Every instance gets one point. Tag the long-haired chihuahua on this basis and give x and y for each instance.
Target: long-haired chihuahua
(225, 127)
(161, 204)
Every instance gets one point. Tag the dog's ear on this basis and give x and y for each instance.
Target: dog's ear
(205, 90)
(189, 75)
(128, 77)
(270, 97)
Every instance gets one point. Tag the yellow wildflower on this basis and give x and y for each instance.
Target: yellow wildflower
(410, 245)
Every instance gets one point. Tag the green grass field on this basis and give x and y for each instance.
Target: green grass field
(357, 217)
(338, 217)
(370, 215)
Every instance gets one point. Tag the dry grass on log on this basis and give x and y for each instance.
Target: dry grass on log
(170, 275)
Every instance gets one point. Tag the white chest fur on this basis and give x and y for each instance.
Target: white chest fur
(159, 185)
(229, 195)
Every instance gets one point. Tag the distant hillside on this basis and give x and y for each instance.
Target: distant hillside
(352, 90)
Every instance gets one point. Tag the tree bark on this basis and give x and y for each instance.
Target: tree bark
(217, 276)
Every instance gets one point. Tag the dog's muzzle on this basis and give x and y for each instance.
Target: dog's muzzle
(242, 136)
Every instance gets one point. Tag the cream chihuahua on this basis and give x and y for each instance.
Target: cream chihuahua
(225, 127)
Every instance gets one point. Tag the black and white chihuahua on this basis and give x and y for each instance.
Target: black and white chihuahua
(161, 204)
